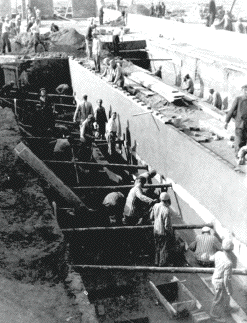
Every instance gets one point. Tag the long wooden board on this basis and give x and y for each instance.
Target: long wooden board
(33, 161)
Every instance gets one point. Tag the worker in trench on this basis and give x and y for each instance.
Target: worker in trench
(238, 111)
(188, 84)
(164, 238)
(84, 108)
(101, 119)
(113, 206)
(87, 138)
(204, 247)
(221, 280)
(112, 133)
(47, 113)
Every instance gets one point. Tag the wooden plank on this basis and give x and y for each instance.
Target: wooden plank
(172, 312)
(119, 186)
(33, 161)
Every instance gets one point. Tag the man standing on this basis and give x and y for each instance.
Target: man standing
(221, 280)
(96, 52)
(239, 112)
(101, 15)
(152, 10)
(5, 36)
(35, 32)
(116, 41)
(18, 24)
(89, 39)
(205, 246)
(38, 17)
(112, 133)
(163, 233)
(47, 110)
(101, 119)
(87, 138)
(30, 23)
(133, 210)
(212, 13)
(83, 110)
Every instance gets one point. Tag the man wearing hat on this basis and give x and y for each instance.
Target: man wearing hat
(163, 233)
(5, 35)
(205, 246)
(87, 138)
(239, 113)
(221, 280)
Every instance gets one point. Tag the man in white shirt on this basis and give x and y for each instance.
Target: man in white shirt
(5, 36)
(35, 32)
(38, 17)
(112, 133)
(96, 52)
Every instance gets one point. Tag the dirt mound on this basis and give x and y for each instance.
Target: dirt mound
(139, 9)
(65, 41)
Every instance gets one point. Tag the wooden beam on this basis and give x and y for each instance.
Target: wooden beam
(52, 94)
(96, 165)
(188, 270)
(138, 227)
(39, 167)
(119, 186)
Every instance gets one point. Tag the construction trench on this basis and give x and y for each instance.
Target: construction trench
(117, 296)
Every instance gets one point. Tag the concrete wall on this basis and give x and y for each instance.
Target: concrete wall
(84, 8)
(45, 6)
(5, 8)
(211, 181)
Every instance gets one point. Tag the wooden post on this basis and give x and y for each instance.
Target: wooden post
(137, 227)
(188, 270)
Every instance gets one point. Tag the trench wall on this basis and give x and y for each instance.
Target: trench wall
(210, 180)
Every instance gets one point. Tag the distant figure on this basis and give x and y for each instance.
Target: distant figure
(119, 77)
(106, 64)
(205, 246)
(212, 13)
(115, 41)
(87, 138)
(5, 36)
(118, 4)
(54, 28)
(163, 9)
(96, 50)
(238, 111)
(62, 89)
(89, 39)
(29, 14)
(101, 119)
(152, 10)
(124, 17)
(30, 24)
(227, 22)
(47, 109)
(112, 133)
(163, 233)
(188, 84)
(158, 73)
(158, 10)
(36, 35)
(214, 98)
(239, 26)
(38, 17)
(18, 24)
(83, 110)
(114, 206)
(101, 15)
(221, 280)
(135, 202)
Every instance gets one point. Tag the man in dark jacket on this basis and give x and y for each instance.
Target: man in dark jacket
(101, 119)
(239, 112)
(212, 13)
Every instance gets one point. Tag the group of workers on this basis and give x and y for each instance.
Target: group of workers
(158, 11)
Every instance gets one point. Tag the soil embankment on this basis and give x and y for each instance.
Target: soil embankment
(32, 253)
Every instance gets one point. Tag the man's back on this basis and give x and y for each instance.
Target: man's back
(162, 220)
(206, 245)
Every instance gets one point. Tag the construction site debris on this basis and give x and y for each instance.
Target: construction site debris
(138, 9)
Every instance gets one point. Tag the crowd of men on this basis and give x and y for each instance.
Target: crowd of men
(159, 10)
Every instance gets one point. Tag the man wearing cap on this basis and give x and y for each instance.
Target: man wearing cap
(133, 210)
(83, 110)
(239, 113)
(87, 138)
(221, 280)
(205, 246)
(149, 175)
(5, 36)
(101, 119)
(163, 233)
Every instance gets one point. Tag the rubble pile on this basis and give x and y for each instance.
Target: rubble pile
(64, 41)
(139, 9)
